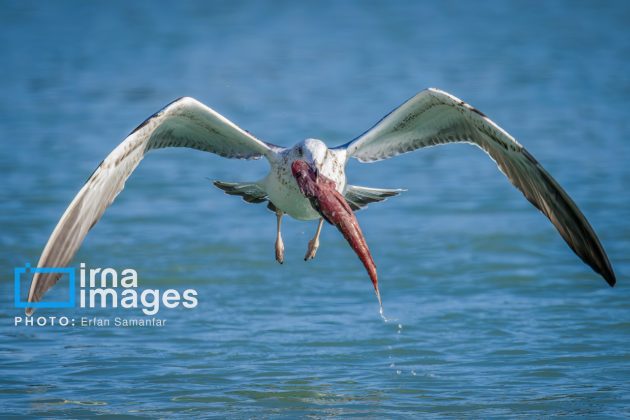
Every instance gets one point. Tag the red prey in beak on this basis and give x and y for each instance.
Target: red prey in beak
(325, 199)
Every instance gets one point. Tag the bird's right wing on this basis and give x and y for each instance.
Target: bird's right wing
(183, 123)
(434, 117)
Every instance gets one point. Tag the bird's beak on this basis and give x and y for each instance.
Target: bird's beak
(332, 206)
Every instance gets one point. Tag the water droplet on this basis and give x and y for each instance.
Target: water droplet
(382, 314)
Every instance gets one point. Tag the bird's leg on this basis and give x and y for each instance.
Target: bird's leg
(279, 243)
(313, 244)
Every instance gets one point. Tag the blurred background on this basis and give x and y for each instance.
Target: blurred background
(492, 313)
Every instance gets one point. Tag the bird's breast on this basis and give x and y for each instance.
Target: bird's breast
(284, 193)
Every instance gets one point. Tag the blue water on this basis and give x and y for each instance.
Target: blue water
(493, 314)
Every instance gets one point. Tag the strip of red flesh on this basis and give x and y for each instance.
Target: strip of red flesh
(333, 207)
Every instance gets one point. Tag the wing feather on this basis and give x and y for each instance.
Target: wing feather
(434, 117)
(185, 122)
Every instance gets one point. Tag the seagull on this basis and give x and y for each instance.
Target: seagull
(430, 118)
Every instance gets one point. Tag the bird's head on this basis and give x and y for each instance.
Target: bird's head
(313, 151)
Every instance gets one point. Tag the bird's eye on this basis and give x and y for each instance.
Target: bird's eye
(300, 151)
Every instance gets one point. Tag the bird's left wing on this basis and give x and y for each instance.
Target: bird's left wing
(183, 123)
(434, 117)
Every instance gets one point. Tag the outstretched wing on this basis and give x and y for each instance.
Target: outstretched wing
(434, 117)
(183, 123)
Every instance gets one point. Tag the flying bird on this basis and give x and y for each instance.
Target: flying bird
(306, 180)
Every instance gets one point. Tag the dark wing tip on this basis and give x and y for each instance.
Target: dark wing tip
(595, 256)
(609, 276)
(601, 265)
(555, 203)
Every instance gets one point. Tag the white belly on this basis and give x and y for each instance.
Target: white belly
(283, 191)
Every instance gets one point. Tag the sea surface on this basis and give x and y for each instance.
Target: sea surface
(489, 312)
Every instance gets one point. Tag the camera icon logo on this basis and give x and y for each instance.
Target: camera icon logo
(27, 271)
